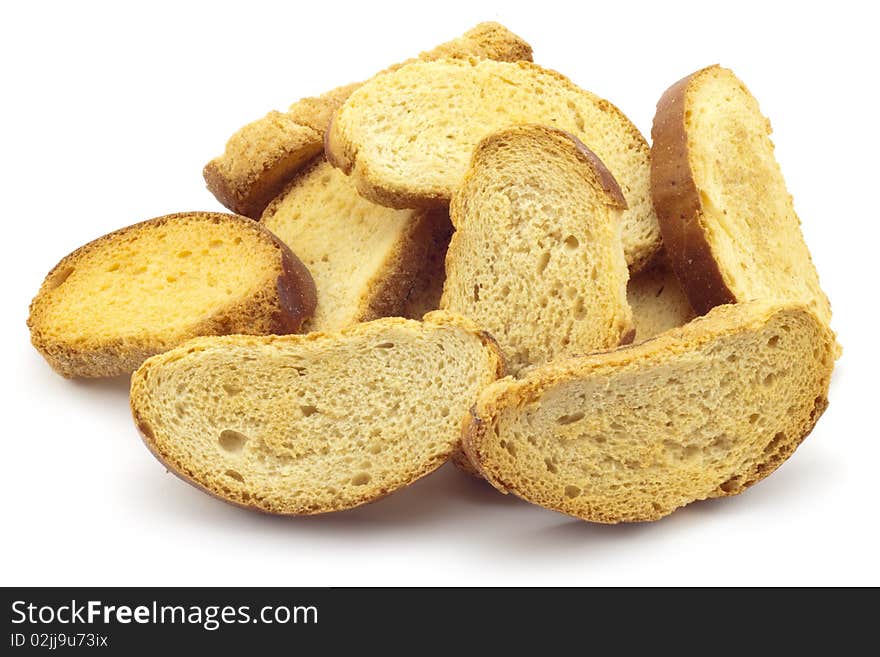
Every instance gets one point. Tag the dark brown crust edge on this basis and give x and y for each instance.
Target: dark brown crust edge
(294, 291)
(297, 294)
(604, 177)
(678, 206)
(408, 268)
(250, 200)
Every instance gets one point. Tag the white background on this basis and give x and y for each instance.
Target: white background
(109, 113)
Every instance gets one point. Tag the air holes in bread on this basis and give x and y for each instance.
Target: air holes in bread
(232, 441)
(731, 485)
(232, 474)
(774, 444)
(543, 260)
(572, 491)
(385, 345)
(571, 243)
(59, 277)
(510, 447)
(308, 410)
(361, 479)
(570, 419)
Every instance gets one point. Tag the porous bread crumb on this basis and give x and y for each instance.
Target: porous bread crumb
(263, 156)
(537, 257)
(633, 434)
(315, 423)
(406, 137)
(366, 259)
(657, 301)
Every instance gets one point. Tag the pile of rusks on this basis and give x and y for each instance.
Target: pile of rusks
(467, 258)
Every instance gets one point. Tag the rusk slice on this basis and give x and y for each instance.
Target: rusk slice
(315, 423)
(366, 259)
(425, 296)
(728, 221)
(144, 289)
(631, 435)
(263, 156)
(657, 301)
(406, 137)
(536, 257)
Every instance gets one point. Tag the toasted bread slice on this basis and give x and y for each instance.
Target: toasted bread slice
(366, 259)
(728, 221)
(536, 257)
(262, 157)
(407, 137)
(141, 290)
(425, 295)
(631, 435)
(315, 423)
(657, 301)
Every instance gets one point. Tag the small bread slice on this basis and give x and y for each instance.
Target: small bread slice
(366, 259)
(407, 137)
(631, 435)
(141, 290)
(263, 156)
(315, 423)
(728, 221)
(536, 257)
(657, 301)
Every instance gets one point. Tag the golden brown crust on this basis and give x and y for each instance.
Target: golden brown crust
(244, 182)
(316, 111)
(604, 177)
(281, 308)
(489, 40)
(678, 206)
(263, 156)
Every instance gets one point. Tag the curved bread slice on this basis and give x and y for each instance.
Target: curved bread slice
(657, 301)
(315, 423)
(631, 435)
(263, 156)
(536, 258)
(728, 220)
(407, 137)
(366, 259)
(141, 290)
